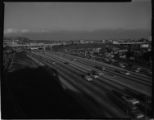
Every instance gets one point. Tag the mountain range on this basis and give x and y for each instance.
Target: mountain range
(83, 35)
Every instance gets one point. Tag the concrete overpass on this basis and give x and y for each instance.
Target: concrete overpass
(32, 45)
(129, 43)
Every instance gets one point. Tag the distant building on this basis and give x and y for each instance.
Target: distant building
(9, 42)
(91, 41)
(76, 42)
(64, 43)
(97, 50)
(84, 41)
(115, 42)
(122, 51)
(144, 45)
(103, 41)
(123, 56)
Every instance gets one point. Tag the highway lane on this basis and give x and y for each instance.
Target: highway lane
(81, 81)
(137, 95)
(127, 83)
(133, 74)
(73, 72)
(69, 64)
(65, 84)
(117, 80)
(77, 70)
(81, 69)
(34, 59)
(129, 77)
(110, 84)
(94, 82)
(122, 75)
(84, 70)
(88, 105)
(111, 67)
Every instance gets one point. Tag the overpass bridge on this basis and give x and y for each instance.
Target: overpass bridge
(129, 43)
(34, 45)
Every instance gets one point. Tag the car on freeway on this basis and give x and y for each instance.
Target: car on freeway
(137, 114)
(87, 77)
(115, 96)
(131, 100)
(122, 65)
(94, 73)
(100, 73)
(127, 73)
(95, 76)
(74, 59)
(53, 62)
(147, 109)
(138, 69)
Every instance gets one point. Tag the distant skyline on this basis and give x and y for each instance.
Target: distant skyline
(24, 17)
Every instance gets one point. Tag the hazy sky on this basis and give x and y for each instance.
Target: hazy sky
(56, 16)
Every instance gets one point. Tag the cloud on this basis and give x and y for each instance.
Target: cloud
(10, 30)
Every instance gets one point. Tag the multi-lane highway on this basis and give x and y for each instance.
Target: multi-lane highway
(98, 91)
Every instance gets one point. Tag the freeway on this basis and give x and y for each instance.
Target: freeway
(110, 67)
(96, 91)
(83, 70)
(137, 85)
(90, 90)
(133, 76)
(120, 75)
